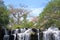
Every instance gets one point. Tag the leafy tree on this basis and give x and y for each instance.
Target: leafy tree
(50, 14)
(4, 15)
(16, 15)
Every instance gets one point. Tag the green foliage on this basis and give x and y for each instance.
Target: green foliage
(16, 26)
(4, 14)
(50, 14)
(28, 24)
(22, 25)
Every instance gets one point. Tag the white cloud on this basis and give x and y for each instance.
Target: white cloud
(35, 11)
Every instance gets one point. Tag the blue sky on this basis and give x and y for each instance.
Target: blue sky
(36, 5)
